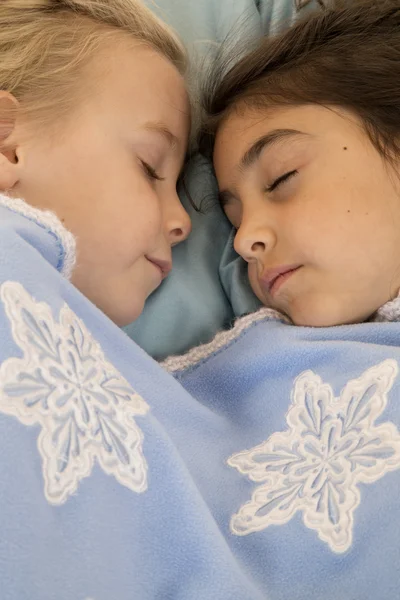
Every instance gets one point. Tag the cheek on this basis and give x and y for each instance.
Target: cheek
(142, 222)
(323, 220)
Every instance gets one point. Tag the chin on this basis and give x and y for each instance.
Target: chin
(125, 315)
(324, 316)
(315, 321)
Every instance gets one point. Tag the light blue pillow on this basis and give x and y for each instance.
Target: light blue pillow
(208, 285)
(202, 24)
(278, 14)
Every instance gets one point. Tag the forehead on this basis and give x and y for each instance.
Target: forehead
(136, 81)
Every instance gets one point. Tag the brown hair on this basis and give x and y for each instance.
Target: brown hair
(44, 45)
(341, 56)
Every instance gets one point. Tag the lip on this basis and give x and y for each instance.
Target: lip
(274, 278)
(165, 266)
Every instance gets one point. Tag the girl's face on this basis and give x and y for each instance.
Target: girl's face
(316, 208)
(111, 178)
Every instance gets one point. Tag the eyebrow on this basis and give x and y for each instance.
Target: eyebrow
(266, 141)
(162, 129)
(253, 153)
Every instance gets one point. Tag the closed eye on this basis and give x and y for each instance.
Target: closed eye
(280, 180)
(150, 172)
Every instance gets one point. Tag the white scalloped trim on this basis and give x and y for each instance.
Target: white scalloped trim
(49, 221)
(388, 312)
(196, 355)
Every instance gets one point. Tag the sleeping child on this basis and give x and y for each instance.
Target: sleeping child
(305, 133)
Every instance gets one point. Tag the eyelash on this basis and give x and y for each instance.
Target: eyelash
(280, 180)
(150, 172)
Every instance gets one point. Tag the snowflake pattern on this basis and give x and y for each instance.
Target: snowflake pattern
(331, 445)
(84, 406)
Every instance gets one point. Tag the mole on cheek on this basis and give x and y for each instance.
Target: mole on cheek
(344, 147)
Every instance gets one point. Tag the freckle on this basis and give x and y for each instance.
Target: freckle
(344, 147)
(348, 211)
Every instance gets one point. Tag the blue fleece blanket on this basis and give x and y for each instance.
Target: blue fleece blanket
(265, 465)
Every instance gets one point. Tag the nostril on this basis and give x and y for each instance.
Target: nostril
(177, 235)
(258, 247)
(177, 232)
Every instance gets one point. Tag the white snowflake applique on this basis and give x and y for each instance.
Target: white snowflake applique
(63, 383)
(331, 445)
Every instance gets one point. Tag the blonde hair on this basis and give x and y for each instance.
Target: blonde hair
(45, 44)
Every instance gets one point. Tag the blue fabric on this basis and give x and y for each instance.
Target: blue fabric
(205, 23)
(307, 427)
(267, 467)
(277, 15)
(84, 511)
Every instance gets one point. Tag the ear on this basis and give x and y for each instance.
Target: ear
(9, 168)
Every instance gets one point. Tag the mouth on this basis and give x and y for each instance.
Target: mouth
(274, 278)
(165, 266)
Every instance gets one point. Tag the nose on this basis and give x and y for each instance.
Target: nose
(177, 221)
(254, 239)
